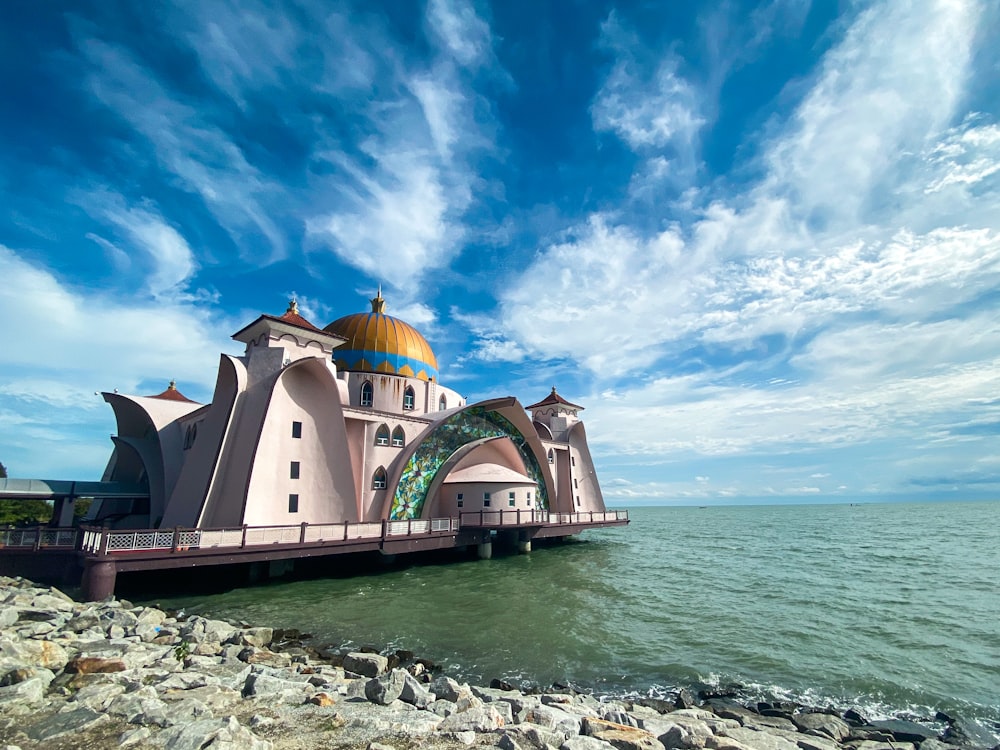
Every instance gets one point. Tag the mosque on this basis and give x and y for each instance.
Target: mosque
(345, 424)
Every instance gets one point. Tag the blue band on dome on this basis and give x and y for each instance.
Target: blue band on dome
(378, 362)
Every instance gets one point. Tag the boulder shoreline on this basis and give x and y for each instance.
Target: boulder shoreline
(110, 674)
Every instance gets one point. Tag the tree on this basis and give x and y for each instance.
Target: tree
(3, 471)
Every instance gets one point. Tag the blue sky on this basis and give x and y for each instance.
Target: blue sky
(760, 243)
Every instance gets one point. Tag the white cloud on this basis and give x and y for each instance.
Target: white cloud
(455, 23)
(76, 342)
(173, 260)
(647, 109)
(396, 227)
(200, 155)
(102, 342)
(396, 210)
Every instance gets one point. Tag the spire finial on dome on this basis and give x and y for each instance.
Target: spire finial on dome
(173, 385)
(378, 304)
(293, 307)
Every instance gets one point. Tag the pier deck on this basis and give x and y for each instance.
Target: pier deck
(93, 557)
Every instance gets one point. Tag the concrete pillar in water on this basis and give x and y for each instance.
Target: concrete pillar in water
(278, 568)
(523, 542)
(257, 572)
(485, 550)
(98, 580)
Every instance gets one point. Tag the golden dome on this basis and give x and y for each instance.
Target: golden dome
(377, 342)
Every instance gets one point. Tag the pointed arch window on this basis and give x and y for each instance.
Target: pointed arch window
(398, 438)
(382, 435)
(409, 398)
(379, 481)
(367, 393)
(442, 403)
(552, 457)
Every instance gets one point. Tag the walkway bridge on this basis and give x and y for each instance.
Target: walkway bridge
(93, 556)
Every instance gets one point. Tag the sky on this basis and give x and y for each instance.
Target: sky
(758, 242)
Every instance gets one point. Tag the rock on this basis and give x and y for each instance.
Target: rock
(827, 724)
(629, 738)
(529, 735)
(221, 733)
(808, 742)
(762, 722)
(99, 695)
(553, 718)
(855, 718)
(964, 732)
(32, 653)
(672, 735)
(84, 621)
(413, 692)
(22, 674)
(387, 688)
(753, 739)
(367, 665)
(585, 743)
(480, 719)
(8, 616)
(134, 737)
(65, 722)
(618, 715)
(29, 691)
(727, 708)
(260, 685)
(876, 745)
(259, 637)
(94, 665)
(935, 744)
(721, 742)
(685, 699)
(141, 707)
(323, 700)
(905, 731)
(448, 689)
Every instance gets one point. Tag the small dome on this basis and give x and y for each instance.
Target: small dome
(377, 342)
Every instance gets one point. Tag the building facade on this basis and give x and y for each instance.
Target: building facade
(348, 423)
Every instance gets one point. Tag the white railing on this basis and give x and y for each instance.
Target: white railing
(533, 517)
(37, 537)
(104, 541)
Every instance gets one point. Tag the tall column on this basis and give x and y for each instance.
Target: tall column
(98, 580)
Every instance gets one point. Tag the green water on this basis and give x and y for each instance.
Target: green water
(891, 607)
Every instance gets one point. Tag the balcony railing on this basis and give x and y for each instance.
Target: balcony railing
(105, 541)
(491, 518)
(38, 537)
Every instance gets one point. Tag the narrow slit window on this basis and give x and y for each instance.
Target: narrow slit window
(293, 503)
(296, 429)
(294, 473)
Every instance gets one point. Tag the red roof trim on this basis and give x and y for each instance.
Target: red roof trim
(172, 394)
(553, 399)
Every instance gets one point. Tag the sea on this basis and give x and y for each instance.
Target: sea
(889, 608)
